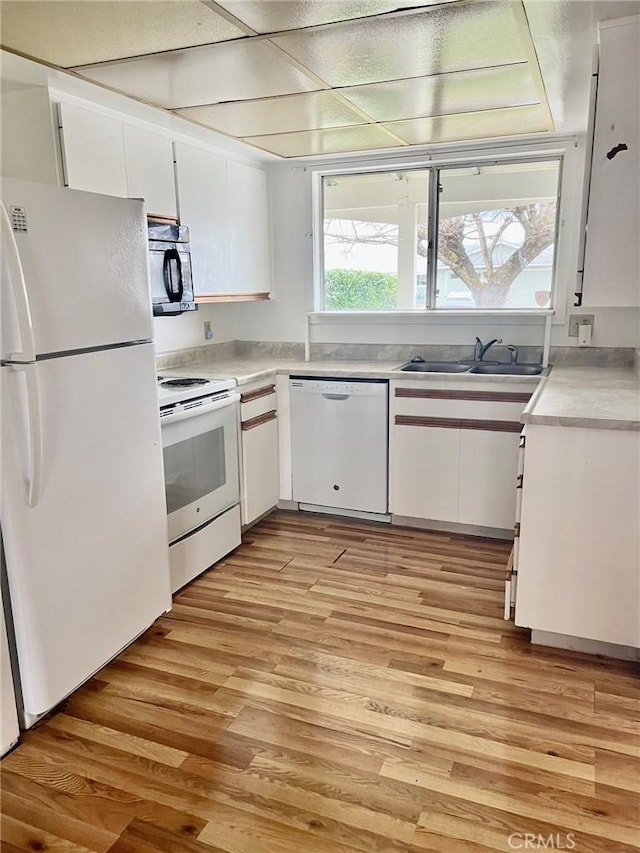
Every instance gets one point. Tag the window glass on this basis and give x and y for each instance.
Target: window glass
(375, 246)
(496, 236)
(495, 247)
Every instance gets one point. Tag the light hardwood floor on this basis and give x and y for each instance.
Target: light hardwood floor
(336, 686)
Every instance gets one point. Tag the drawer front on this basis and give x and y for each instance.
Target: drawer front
(460, 404)
(257, 401)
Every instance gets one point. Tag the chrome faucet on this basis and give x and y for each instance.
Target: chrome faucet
(514, 354)
(481, 349)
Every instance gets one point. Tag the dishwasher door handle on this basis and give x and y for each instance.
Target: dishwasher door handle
(336, 396)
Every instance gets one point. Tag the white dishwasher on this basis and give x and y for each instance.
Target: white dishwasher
(339, 441)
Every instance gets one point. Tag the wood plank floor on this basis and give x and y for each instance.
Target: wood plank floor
(336, 686)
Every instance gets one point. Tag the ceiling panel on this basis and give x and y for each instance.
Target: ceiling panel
(204, 75)
(309, 111)
(79, 32)
(275, 15)
(514, 121)
(453, 37)
(331, 141)
(505, 86)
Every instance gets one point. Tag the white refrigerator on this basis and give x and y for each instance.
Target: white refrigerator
(83, 511)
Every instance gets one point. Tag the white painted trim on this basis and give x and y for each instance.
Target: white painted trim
(618, 22)
(547, 341)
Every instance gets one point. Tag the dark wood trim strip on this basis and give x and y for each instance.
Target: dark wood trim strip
(457, 423)
(230, 297)
(248, 396)
(487, 396)
(259, 420)
(516, 530)
(416, 420)
(491, 426)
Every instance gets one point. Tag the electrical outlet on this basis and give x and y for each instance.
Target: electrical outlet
(576, 320)
(208, 331)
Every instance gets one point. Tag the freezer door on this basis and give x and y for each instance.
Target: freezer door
(84, 261)
(87, 565)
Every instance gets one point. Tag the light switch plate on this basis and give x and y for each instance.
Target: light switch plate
(576, 320)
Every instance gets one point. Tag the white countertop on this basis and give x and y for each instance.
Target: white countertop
(587, 397)
(249, 370)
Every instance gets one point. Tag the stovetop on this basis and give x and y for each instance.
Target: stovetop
(177, 389)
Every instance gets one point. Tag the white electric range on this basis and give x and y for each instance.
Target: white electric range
(199, 420)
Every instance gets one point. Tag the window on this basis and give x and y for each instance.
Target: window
(478, 236)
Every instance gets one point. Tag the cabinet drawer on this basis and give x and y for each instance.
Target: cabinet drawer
(459, 403)
(257, 401)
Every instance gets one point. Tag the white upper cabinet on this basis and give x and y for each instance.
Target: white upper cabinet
(93, 151)
(224, 204)
(149, 161)
(202, 206)
(104, 155)
(612, 260)
(249, 256)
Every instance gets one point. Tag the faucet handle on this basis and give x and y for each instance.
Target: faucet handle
(514, 353)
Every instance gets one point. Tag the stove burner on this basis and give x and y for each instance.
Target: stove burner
(183, 383)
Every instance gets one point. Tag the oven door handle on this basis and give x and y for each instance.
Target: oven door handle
(172, 417)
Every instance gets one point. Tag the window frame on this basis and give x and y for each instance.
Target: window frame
(434, 166)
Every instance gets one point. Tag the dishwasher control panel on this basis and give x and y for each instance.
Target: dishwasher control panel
(362, 388)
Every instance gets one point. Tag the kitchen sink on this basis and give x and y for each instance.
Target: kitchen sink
(508, 369)
(435, 367)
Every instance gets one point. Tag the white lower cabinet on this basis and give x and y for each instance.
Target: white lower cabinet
(424, 473)
(578, 565)
(454, 452)
(260, 463)
(486, 484)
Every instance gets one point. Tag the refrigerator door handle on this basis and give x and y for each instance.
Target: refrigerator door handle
(17, 283)
(33, 479)
(172, 285)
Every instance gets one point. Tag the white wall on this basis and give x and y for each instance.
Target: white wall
(284, 318)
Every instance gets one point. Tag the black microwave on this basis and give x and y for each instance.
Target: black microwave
(170, 269)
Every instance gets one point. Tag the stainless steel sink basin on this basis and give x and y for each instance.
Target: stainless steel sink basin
(508, 369)
(435, 367)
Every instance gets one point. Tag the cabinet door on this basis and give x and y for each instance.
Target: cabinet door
(424, 472)
(260, 467)
(93, 151)
(612, 250)
(249, 261)
(202, 205)
(487, 482)
(149, 161)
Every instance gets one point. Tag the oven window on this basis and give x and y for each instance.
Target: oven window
(193, 468)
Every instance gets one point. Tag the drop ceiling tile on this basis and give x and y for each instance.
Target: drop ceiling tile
(203, 75)
(332, 141)
(309, 111)
(440, 39)
(275, 15)
(514, 121)
(75, 32)
(463, 91)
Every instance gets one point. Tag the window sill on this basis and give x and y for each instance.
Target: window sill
(421, 315)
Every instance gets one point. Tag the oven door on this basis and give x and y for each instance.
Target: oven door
(200, 467)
